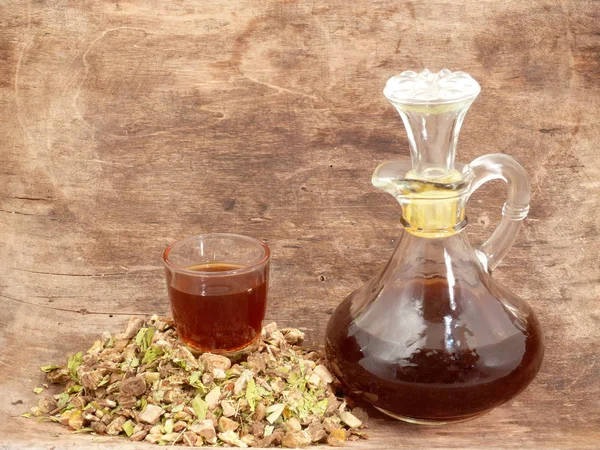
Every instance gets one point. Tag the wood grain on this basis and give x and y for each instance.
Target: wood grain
(127, 125)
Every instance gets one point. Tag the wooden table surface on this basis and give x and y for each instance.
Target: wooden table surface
(126, 125)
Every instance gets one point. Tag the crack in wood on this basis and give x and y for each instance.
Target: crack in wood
(92, 275)
(82, 311)
(41, 199)
(17, 212)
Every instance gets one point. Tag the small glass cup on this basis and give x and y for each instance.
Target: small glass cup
(218, 286)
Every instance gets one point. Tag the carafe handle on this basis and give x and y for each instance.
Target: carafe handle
(503, 167)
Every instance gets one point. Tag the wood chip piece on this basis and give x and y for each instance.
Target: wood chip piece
(212, 398)
(133, 387)
(295, 439)
(190, 438)
(228, 408)
(323, 373)
(337, 438)
(115, 426)
(293, 424)
(231, 437)
(350, 419)
(206, 430)
(76, 420)
(242, 381)
(226, 424)
(151, 414)
(316, 431)
(138, 435)
(210, 361)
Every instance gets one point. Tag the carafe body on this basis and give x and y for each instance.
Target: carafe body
(433, 338)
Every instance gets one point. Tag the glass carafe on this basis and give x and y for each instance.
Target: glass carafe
(433, 338)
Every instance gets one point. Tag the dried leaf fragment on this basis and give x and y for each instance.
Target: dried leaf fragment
(73, 364)
(274, 411)
(128, 428)
(200, 407)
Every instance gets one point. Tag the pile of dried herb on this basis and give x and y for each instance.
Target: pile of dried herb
(146, 385)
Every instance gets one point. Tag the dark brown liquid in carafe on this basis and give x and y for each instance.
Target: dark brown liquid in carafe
(223, 314)
(456, 352)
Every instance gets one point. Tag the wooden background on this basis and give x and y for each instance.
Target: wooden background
(125, 125)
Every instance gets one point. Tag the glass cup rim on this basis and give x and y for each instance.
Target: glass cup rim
(200, 273)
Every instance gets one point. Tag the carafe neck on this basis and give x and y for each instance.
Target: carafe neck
(429, 209)
(432, 190)
(432, 107)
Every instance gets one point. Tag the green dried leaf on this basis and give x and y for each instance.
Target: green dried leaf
(149, 336)
(151, 354)
(104, 381)
(144, 338)
(168, 427)
(180, 362)
(73, 364)
(301, 407)
(135, 362)
(62, 400)
(74, 389)
(144, 403)
(139, 337)
(177, 408)
(231, 373)
(200, 407)
(83, 430)
(194, 380)
(269, 430)
(283, 370)
(320, 408)
(262, 391)
(128, 428)
(46, 419)
(252, 394)
(152, 377)
(49, 368)
(274, 411)
(38, 390)
(27, 415)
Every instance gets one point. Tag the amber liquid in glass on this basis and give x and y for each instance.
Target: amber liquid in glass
(443, 372)
(222, 314)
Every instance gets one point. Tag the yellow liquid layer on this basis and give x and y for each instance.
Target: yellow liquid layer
(433, 211)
